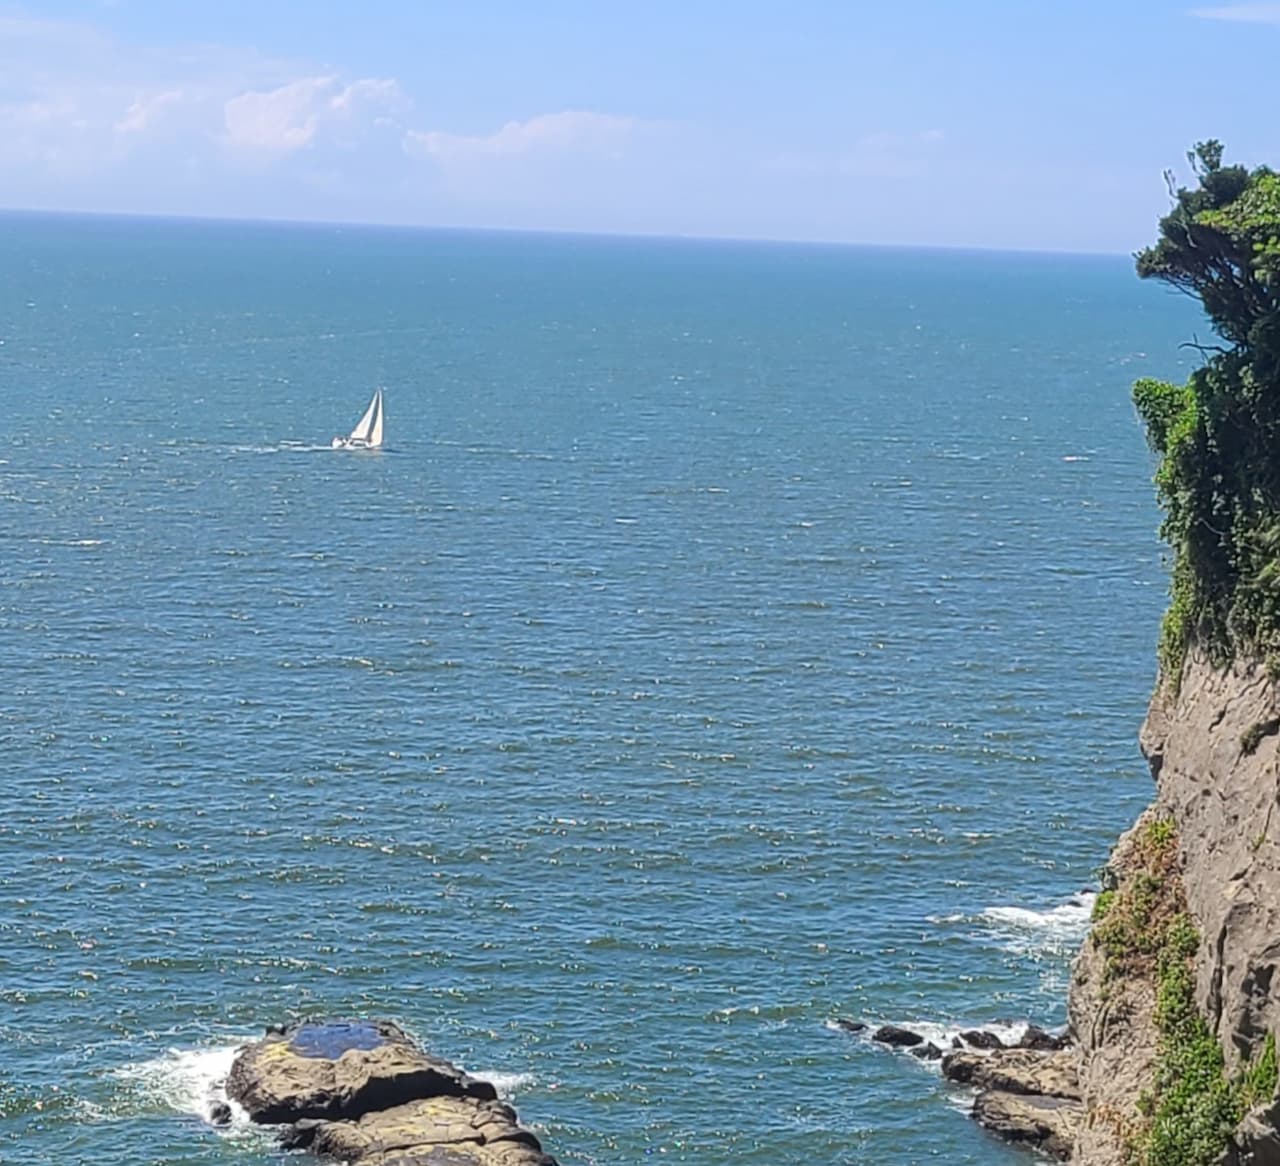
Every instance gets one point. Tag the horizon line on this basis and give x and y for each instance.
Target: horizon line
(426, 228)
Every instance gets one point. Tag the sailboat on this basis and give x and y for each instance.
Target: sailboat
(368, 431)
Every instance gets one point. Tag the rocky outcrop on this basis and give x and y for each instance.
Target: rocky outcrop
(1025, 1096)
(1047, 1124)
(1016, 1071)
(363, 1092)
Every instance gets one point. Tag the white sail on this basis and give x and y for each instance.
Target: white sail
(368, 431)
(363, 432)
(375, 427)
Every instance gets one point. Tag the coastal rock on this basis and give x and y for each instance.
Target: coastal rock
(340, 1069)
(448, 1130)
(980, 1038)
(1036, 1038)
(897, 1036)
(1048, 1124)
(926, 1052)
(1027, 1071)
(1257, 1140)
(845, 1025)
(364, 1092)
(1026, 1096)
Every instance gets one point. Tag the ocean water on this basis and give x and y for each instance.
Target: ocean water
(730, 638)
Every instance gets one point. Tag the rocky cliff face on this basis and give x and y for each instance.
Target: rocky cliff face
(1213, 749)
(1112, 1020)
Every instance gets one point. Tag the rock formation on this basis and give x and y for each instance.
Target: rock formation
(363, 1092)
(1212, 748)
(1028, 1096)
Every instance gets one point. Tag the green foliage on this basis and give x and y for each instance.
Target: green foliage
(1258, 1081)
(1165, 409)
(1196, 1107)
(1130, 927)
(1193, 1107)
(1218, 436)
(1161, 834)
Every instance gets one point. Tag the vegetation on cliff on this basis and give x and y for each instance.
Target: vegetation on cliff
(1193, 1107)
(1218, 436)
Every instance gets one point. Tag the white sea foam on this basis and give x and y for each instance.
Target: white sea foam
(192, 1081)
(184, 1081)
(946, 1036)
(507, 1084)
(1056, 930)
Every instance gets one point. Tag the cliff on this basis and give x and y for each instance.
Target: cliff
(1172, 1021)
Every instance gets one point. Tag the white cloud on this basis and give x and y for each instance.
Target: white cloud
(90, 121)
(146, 113)
(573, 131)
(292, 116)
(1241, 13)
(281, 119)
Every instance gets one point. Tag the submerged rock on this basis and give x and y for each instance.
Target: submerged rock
(846, 1025)
(364, 1092)
(897, 1036)
(926, 1052)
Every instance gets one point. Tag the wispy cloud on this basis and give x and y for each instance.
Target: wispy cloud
(578, 131)
(882, 154)
(1241, 13)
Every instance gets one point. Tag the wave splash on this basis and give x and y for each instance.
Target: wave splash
(188, 1081)
(192, 1081)
(1058, 930)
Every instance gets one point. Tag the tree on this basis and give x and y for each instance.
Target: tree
(1218, 436)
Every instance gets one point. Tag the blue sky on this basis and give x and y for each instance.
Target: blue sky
(989, 123)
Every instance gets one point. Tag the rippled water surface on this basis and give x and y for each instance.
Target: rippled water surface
(729, 638)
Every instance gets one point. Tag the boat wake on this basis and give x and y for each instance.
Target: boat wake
(282, 447)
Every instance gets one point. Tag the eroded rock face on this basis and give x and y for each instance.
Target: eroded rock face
(1112, 1020)
(1214, 753)
(364, 1092)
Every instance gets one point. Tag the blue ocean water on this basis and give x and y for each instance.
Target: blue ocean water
(730, 637)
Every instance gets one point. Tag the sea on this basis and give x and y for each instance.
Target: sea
(729, 639)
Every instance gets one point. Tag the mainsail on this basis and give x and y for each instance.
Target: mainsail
(368, 430)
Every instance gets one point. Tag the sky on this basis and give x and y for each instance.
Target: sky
(1027, 124)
